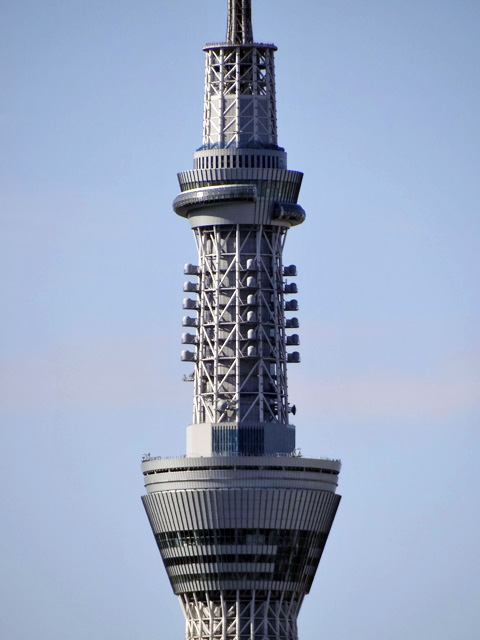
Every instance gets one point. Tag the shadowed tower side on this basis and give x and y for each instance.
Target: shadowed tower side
(242, 520)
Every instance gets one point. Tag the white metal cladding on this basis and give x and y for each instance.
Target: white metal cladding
(241, 538)
(237, 508)
(281, 185)
(297, 462)
(272, 186)
(285, 472)
(248, 479)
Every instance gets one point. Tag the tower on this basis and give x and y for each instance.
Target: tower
(242, 520)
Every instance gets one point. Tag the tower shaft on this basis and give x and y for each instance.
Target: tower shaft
(240, 200)
(240, 522)
(241, 374)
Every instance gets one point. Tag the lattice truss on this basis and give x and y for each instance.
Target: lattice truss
(239, 28)
(240, 616)
(239, 106)
(240, 369)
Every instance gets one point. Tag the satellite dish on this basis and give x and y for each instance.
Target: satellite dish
(294, 409)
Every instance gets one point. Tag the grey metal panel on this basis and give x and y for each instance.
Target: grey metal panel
(281, 509)
(239, 510)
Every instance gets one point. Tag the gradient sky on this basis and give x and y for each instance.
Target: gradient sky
(378, 103)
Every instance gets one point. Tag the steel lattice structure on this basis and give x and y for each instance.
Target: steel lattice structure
(239, 614)
(242, 520)
(239, 96)
(239, 27)
(240, 371)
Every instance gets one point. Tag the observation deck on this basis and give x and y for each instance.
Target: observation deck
(223, 472)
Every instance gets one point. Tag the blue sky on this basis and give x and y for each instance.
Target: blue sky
(378, 103)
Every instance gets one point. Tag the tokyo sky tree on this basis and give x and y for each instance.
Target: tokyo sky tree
(242, 520)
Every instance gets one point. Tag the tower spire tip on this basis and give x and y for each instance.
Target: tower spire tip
(239, 26)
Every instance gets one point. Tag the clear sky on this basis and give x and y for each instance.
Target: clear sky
(378, 103)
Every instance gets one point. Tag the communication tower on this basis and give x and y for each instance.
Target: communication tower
(242, 520)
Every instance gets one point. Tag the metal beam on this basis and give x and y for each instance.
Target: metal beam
(239, 27)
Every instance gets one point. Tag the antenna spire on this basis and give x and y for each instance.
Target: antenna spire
(239, 26)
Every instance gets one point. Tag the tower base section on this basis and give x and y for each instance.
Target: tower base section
(240, 615)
